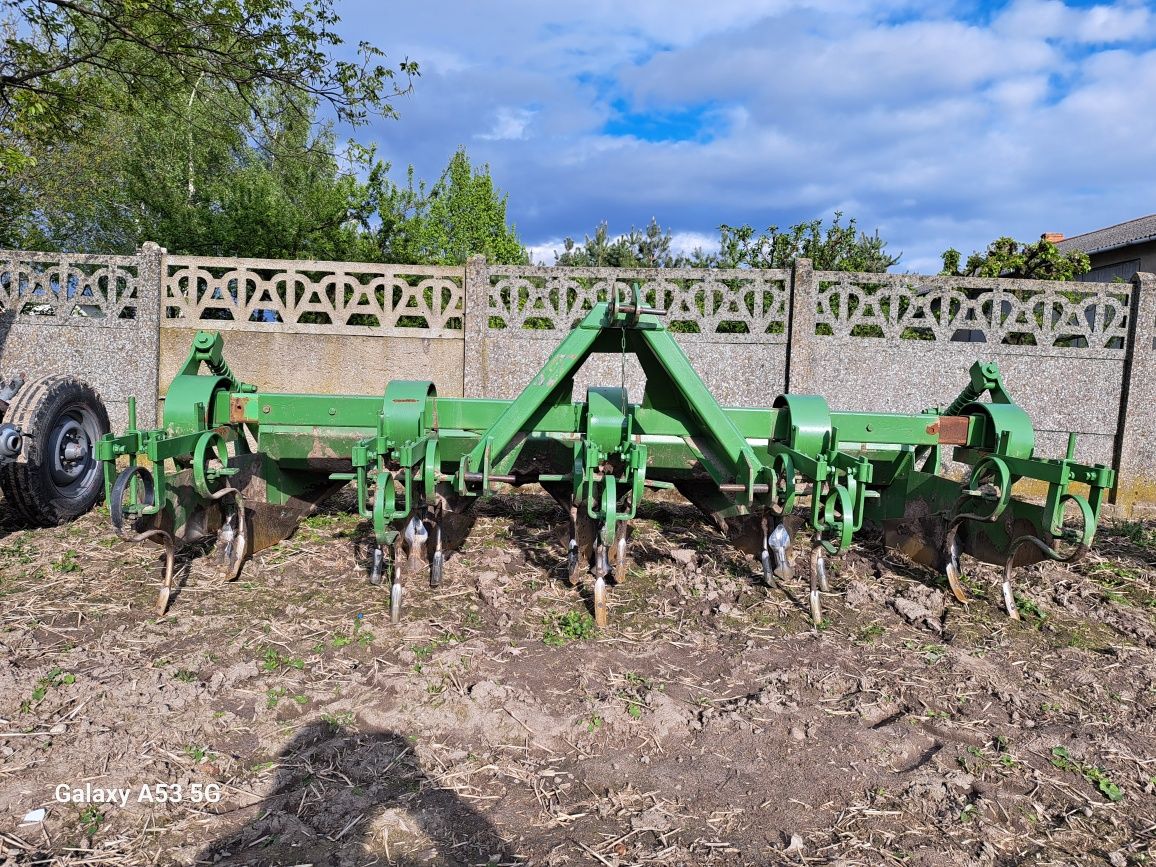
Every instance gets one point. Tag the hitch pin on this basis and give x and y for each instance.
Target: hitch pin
(635, 310)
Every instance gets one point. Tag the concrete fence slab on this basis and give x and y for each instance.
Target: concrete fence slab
(1078, 356)
(95, 317)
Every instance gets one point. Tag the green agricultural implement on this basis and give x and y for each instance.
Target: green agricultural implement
(246, 466)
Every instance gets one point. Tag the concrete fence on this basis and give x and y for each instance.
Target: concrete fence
(1078, 356)
(97, 317)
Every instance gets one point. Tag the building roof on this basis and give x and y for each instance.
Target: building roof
(1121, 235)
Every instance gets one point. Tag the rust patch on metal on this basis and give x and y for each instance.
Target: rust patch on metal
(239, 410)
(920, 535)
(270, 523)
(952, 430)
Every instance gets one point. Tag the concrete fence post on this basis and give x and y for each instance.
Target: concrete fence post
(1136, 431)
(804, 298)
(475, 319)
(151, 266)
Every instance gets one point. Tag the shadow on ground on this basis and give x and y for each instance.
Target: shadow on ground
(344, 798)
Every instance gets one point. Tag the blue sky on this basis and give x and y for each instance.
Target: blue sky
(939, 128)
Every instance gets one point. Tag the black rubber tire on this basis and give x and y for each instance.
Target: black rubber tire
(42, 409)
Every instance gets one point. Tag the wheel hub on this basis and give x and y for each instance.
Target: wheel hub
(71, 449)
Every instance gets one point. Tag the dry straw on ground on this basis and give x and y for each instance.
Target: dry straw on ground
(711, 724)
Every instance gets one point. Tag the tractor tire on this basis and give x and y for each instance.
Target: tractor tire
(57, 478)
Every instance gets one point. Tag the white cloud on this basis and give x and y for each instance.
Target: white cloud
(1052, 19)
(685, 243)
(509, 124)
(545, 252)
(938, 129)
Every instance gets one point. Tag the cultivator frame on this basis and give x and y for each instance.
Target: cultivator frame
(247, 465)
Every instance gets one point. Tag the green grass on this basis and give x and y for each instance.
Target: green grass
(55, 678)
(1063, 760)
(18, 552)
(1113, 579)
(572, 626)
(931, 653)
(869, 633)
(325, 521)
(1137, 533)
(360, 635)
(274, 660)
(198, 753)
(90, 821)
(67, 563)
(342, 719)
(1029, 610)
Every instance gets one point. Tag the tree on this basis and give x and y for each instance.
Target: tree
(279, 193)
(66, 65)
(1007, 257)
(646, 249)
(461, 215)
(839, 248)
(12, 213)
(271, 186)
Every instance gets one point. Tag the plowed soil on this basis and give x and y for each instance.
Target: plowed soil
(710, 724)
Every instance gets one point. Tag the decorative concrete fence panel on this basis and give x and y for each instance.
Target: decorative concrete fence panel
(94, 317)
(731, 324)
(336, 327)
(1061, 347)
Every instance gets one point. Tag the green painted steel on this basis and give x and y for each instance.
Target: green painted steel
(247, 464)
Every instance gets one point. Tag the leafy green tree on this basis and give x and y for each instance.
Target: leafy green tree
(461, 215)
(273, 186)
(201, 184)
(13, 209)
(67, 65)
(638, 249)
(279, 193)
(838, 248)
(1007, 257)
